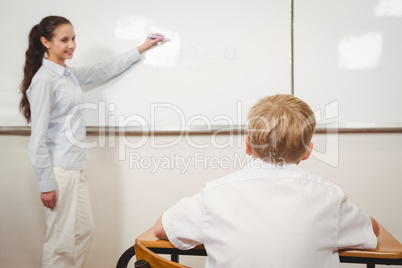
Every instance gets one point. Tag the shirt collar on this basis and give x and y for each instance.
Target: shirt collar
(260, 165)
(60, 70)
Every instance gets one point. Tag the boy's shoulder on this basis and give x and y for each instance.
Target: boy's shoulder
(326, 185)
(291, 173)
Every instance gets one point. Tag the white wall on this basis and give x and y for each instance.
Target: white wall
(127, 201)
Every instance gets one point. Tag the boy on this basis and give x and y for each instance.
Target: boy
(271, 213)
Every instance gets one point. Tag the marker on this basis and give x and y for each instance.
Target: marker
(154, 36)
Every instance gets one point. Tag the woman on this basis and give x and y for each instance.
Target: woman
(50, 89)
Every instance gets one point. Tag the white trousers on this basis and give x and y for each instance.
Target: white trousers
(70, 224)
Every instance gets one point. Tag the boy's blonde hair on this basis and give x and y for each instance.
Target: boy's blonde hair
(280, 127)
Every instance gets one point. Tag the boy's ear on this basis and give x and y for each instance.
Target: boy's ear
(309, 150)
(249, 151)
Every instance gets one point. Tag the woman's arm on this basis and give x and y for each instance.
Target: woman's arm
(40, 99)
(113, 67)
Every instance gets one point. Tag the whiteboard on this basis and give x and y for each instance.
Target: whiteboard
(348, 60)
(221, 58)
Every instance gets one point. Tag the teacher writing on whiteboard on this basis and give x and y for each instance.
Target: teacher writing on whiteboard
(50, 89)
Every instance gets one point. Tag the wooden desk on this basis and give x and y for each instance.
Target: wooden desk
(388, 251)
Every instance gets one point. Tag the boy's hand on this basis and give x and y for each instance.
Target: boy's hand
(376, 228)
(159, 232)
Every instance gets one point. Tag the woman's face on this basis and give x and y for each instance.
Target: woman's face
(62, 45)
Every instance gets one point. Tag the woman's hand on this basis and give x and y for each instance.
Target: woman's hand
(150, 42)
(49, 199)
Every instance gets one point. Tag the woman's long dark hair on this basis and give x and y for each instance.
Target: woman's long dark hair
(35, 54)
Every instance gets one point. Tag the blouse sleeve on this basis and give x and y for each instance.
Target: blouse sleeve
(354, 228)
(40, 100)
(183, 222)
(107, 69)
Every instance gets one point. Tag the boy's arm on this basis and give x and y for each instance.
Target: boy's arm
(159, 232)
(376, 228)
(182, 224)
(355, 229)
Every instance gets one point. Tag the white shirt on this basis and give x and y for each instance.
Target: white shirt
(266, 217)
(53, 92)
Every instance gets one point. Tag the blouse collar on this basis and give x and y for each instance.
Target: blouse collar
(60, 70)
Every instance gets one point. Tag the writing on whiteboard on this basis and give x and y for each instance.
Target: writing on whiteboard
(195, 59)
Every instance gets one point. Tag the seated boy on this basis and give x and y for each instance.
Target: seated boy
(271, 213)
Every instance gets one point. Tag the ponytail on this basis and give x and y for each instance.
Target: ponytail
(34, 56)
(33, 61)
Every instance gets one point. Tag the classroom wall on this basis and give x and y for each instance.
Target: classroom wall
(128, 199)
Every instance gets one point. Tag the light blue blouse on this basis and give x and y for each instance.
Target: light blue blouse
(54, 91)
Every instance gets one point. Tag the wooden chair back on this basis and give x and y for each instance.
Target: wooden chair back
(154, 260)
